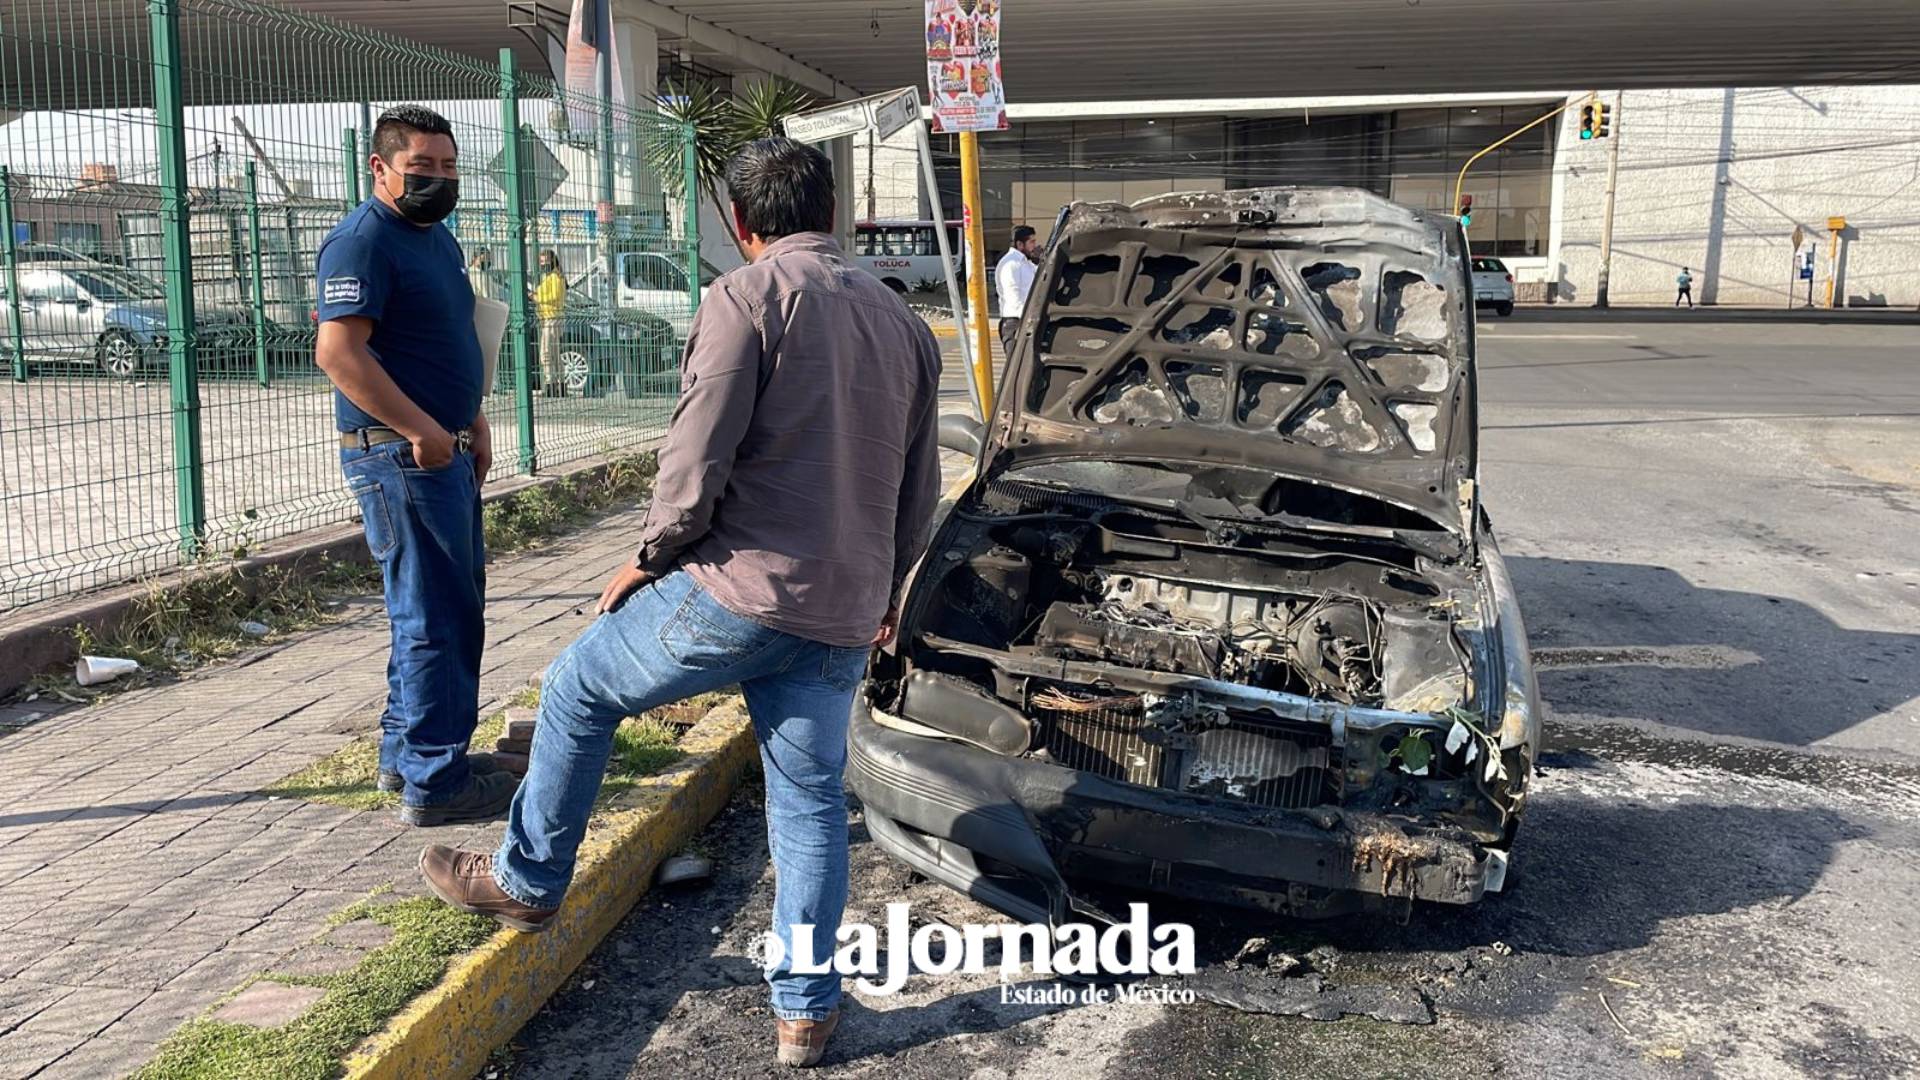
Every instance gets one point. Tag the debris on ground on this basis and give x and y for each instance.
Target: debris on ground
(94, 670)
(1501, 948)
(684, 868)
(255, 629)
(1309, 996)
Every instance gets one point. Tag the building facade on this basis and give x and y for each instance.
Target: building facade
(1714, 181)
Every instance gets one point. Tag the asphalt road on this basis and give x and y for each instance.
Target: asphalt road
(1711, 527)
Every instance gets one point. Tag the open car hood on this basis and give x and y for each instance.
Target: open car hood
(1323, 334)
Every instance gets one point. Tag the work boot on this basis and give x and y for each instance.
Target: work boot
(465, 880)
(478, 764)
(483, 799)
(802, 1042)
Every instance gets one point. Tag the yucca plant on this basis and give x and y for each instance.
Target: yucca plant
(721, 126)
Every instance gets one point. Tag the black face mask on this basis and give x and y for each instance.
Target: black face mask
(427, 199)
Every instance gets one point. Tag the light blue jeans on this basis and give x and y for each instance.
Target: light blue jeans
(669, 641)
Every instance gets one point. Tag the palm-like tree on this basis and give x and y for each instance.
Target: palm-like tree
(721, 125)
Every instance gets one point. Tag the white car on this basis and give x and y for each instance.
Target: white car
(1492, 285)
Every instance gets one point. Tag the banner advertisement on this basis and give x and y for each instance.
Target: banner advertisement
(963, 65)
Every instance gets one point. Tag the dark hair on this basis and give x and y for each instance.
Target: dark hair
(551, 254)
(1022, 233)
(782, 187)
(398, 125)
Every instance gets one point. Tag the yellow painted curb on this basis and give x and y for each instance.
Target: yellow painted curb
(489, 994)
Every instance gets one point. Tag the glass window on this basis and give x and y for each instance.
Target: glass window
(48, 285)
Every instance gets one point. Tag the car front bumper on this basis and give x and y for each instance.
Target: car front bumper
(1011, 831)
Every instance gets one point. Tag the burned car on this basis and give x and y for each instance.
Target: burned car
(1219, 614)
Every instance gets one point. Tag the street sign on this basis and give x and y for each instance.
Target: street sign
(896, 112)
(1836, 224)
(884, 114)
(829, 123)
(1806, 268)
(541, 173)
(1799, 237)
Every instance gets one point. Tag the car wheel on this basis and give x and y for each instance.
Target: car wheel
(1504, 309)
(895, 284)
(576, 369)
(118, 354)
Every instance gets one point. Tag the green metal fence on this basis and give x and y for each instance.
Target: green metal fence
(168, 170)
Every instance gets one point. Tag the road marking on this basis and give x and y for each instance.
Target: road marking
(1560, 337)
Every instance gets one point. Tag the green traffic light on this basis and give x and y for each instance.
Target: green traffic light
(1466, 220)
(1586, 133)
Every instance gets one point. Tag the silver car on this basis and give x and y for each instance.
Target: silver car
(93, 313)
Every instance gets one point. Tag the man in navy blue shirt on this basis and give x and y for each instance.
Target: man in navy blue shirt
(397, 339)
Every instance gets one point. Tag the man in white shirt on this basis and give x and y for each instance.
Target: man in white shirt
(1013, 277)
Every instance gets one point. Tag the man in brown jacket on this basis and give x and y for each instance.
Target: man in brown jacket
(796, 490)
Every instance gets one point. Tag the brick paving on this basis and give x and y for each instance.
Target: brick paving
(142, 875)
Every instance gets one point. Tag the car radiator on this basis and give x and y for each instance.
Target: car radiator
(1246, 760)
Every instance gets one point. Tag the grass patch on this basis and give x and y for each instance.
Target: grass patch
(426, 934)
(540, 513)
(642, 746)
(185, 624)
(176, 626)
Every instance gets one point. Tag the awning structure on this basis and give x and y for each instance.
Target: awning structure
(1065, 51)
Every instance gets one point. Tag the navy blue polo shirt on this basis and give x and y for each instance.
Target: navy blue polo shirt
(412, 283)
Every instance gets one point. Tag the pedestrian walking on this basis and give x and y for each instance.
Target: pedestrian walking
(480, 275)
(796, 488)
(550, 306)
(1013, 279)
(1685, 282)
(397, 340)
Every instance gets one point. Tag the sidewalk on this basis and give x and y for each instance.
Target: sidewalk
(142, 876)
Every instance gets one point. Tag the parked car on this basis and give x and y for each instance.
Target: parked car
(92, 313)
(1492, 285)
(1220, 614)
(634, 353)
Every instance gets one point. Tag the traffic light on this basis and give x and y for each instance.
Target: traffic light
(1466, 210)
(1595, 116)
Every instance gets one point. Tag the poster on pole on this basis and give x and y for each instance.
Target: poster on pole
(589, 37)
(963, 65)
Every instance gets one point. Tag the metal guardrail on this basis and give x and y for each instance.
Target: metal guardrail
(168, 169)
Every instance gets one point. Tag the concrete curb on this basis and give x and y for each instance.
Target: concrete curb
(43, 640)
(489, 994)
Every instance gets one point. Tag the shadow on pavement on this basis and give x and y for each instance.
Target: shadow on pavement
(1642, 642)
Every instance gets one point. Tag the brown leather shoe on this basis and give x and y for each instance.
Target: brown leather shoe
(465, 880)
(802, 1042)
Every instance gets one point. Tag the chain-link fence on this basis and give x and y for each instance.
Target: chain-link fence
(168, 170)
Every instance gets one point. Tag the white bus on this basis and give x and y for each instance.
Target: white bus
(904, 254)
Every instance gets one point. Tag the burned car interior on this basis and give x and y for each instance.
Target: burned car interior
(1223, 562)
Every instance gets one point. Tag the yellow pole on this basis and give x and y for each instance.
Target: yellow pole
(1461, 181)
(1833, 264)
(976, 273)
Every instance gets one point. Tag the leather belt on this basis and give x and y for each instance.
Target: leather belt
(368, 438)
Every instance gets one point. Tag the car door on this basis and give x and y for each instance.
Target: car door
(56, 317)
(652, 283)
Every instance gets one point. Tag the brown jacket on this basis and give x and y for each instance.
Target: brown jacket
(801, 470)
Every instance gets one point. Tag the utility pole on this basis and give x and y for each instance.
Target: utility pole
(872, 214)
(1606, 218)
(976, 273)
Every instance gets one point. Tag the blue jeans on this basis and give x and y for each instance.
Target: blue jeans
(423, 528)
(669, 641)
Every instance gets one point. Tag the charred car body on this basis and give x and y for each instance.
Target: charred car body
(1219, 613)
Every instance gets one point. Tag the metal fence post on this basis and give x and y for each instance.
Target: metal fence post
(690, 162)
(518, 352)
(14, 330)
(350, 143)
(259, 278)
(169, 108)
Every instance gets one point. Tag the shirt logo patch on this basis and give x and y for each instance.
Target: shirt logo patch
(342, 290)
